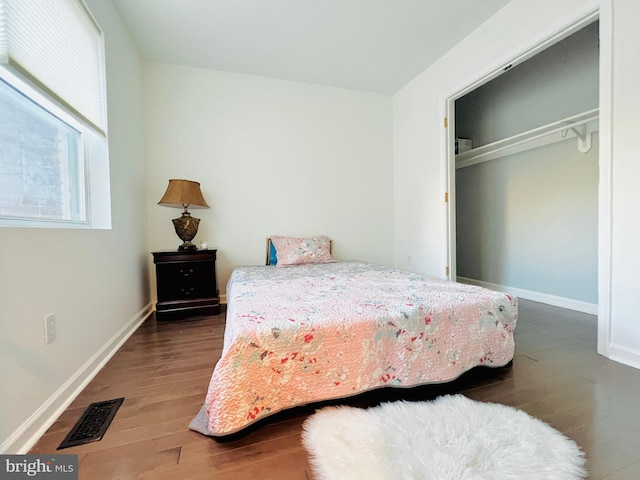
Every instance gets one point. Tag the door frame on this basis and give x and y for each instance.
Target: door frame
(601, 11)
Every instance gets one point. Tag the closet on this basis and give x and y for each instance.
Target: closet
(527, 190)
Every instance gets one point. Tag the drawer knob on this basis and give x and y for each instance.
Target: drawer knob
(187, 292)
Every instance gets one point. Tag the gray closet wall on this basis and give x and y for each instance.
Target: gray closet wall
(529, 220)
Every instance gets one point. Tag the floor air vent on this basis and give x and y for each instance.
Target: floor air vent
(93, 423)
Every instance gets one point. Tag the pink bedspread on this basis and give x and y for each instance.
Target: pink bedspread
(302, 334)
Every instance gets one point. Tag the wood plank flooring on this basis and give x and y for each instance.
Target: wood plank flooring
(164, 368)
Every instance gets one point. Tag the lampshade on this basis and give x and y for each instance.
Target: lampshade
(183, 192)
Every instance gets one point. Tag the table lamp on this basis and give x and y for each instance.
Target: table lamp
(184, 194)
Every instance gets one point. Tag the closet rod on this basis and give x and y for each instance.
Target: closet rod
(580, 126)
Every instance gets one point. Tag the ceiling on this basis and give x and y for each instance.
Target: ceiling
(369, 45)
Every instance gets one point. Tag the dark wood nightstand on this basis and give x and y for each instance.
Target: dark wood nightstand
(186, 283)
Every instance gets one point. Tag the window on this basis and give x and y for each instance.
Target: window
(41, 169)
(53, 143)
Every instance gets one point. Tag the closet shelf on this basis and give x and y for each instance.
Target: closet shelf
(580, 126)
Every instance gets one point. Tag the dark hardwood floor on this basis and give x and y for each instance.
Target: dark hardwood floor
(164, 368)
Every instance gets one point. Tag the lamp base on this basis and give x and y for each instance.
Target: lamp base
(186, 228)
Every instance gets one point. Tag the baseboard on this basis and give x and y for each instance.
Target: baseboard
(36, 425)
(563, 302)
(625, 355)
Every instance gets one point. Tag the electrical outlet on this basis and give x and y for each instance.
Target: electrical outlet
(409, 259)
(49, 328)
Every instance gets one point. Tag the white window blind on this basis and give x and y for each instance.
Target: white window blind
(58, 45)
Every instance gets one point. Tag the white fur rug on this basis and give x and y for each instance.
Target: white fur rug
(450, 438)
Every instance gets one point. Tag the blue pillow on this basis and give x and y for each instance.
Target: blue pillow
(273, 255)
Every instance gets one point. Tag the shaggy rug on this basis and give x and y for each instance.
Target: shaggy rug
(450, 438)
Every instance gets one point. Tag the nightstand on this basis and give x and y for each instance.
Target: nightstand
(186, 283)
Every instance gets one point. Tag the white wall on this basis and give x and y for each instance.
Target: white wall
(96, 281)
(419, 145)
(272, 157)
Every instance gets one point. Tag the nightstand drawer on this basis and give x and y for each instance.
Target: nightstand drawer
(186, 280)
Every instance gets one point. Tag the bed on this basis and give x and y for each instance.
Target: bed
(320, 330)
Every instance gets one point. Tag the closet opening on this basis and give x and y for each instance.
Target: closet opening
(529, 185)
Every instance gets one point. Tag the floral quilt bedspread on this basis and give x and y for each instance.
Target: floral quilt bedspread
(301, 334)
